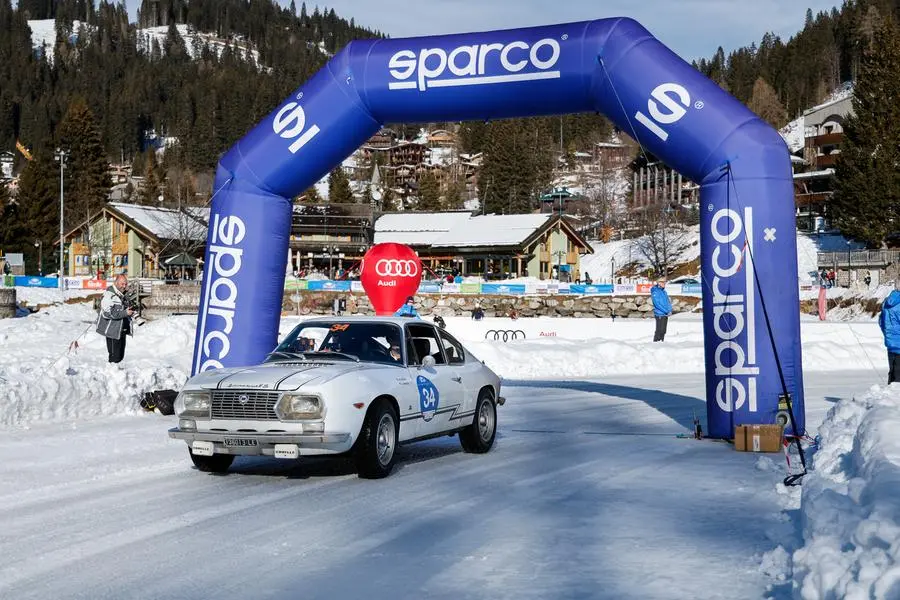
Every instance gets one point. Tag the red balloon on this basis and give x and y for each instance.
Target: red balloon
(390, 273)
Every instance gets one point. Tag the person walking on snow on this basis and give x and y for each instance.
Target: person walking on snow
(115, 319)
(662, 308)
(889, 321)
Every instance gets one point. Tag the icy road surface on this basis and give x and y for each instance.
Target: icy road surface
(588, 493)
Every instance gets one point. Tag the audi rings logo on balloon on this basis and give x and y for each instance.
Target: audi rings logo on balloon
(504, 335)
(396, 268)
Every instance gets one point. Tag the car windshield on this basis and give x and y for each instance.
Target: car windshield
(370, 342)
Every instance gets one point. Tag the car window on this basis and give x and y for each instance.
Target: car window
(454, 350)
(423, 342)
(372, 342)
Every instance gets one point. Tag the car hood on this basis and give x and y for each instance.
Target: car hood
(274, 376)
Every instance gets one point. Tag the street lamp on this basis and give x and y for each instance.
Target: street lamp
(848, 263)
(331, 251)
(61, 156)
(40, 246)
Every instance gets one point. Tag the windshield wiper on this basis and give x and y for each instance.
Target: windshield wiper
(286, 354)
(341, 354)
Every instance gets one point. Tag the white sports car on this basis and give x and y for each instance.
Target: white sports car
(357, 385)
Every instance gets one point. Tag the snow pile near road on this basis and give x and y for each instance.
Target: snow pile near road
(33, 296)
(42, 380)
(850, 507)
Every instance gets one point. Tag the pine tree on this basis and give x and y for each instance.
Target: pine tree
(12, 226)
(38, 200)
(429, 193)
(151, 190)
(501, 174)
(455, 197)
(87, 170)
(389, 201)
(866, 204)
(311, 196)
(339, 187)
(518, 164)
(765, 103)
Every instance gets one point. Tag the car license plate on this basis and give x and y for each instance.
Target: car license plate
(240, 442)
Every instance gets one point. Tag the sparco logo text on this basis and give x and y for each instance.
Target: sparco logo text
(733, 313)
(470, 64)
(290, 123)
(220, 292)
(668, 103)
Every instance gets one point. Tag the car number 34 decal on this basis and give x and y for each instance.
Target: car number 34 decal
(428, 397)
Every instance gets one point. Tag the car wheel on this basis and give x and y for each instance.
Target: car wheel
(217, 463)
(478, 437)
(377, 442)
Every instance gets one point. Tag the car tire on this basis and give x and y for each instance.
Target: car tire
(217, 463)
(377, 444)
(478, 437)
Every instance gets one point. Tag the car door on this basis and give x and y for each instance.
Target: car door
(439, 385)
(465, 372)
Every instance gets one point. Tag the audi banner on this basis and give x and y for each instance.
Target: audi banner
(326, 285)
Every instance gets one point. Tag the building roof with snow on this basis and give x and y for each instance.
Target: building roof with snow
(415, 228)
(460, 229)
(166, 223)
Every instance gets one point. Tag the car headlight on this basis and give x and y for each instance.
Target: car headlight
(294, 407)
(194, 403)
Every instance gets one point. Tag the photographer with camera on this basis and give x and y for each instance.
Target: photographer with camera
(116, 310)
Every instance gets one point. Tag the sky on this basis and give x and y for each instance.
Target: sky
(692, 28)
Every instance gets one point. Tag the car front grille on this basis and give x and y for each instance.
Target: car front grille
(244, 404)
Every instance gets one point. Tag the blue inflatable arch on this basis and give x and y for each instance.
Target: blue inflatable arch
(611, 66)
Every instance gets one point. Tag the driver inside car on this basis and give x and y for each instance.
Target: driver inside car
(393, 341)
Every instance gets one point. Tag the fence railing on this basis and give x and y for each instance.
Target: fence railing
(858, 258)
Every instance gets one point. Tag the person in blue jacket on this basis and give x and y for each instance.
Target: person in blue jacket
(407, 310)
(662, 308)
(889, 321)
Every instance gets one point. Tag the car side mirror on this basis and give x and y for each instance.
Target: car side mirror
(428, 362)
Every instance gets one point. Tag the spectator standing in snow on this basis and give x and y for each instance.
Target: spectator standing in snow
(115, 319)
(407, 310)
(889, 321)
(477, 312)
(662, 308)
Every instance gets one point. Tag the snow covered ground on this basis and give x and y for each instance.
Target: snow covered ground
(587, 494)
(850, 540)
(686, 248)
(33, 296)
(685, 245)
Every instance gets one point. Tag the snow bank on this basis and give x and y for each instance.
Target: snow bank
(586, 348)
(793, 134)
(32, 296)
(687, 246)
(42, 379)
(685, 243)
(850, 507)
